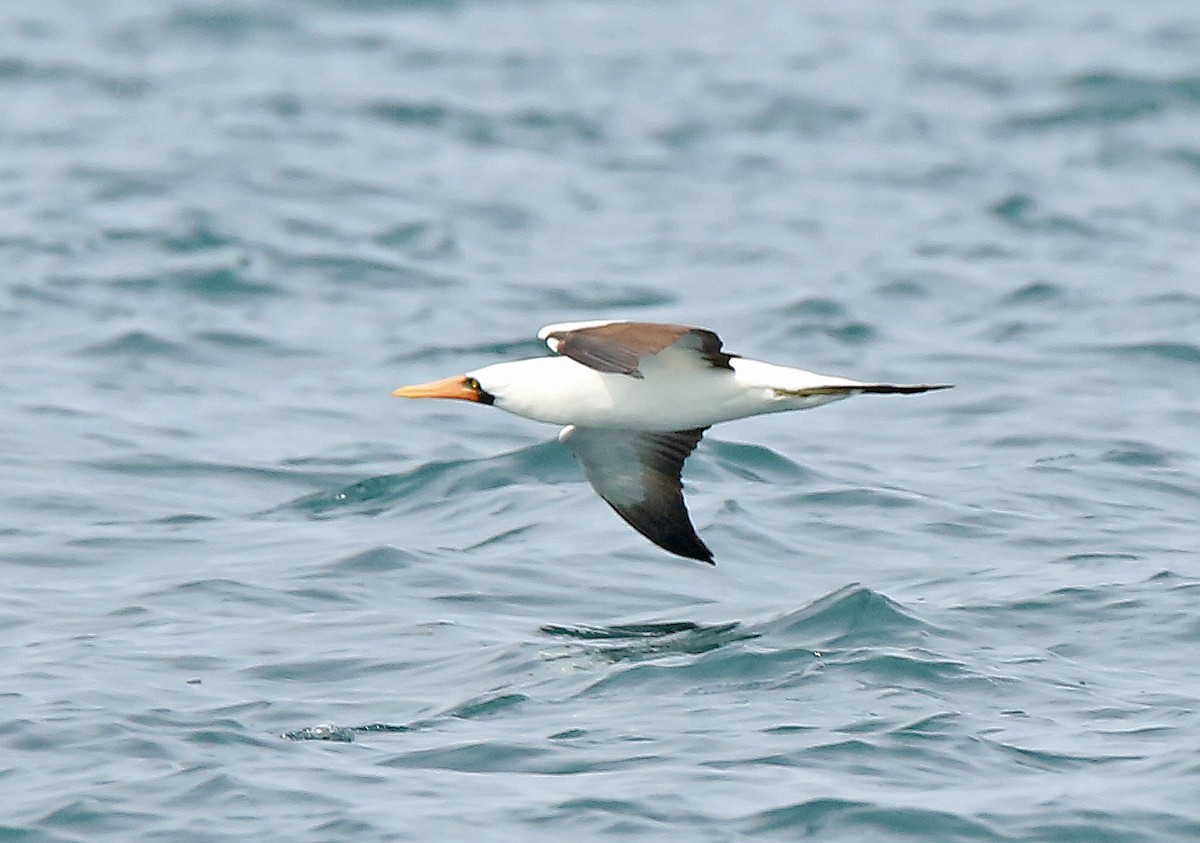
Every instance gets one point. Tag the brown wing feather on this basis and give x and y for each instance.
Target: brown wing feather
(619, 347)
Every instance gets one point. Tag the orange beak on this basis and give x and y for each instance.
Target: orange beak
(460, 387)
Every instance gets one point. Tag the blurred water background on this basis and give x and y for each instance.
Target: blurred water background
(249, 596)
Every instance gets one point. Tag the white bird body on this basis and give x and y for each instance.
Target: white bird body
(676, 393)
(635, 399)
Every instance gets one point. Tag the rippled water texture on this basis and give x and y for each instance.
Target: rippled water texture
(249, 596)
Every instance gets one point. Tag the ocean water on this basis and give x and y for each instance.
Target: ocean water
(249, 596)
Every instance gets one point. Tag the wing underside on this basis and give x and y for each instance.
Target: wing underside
(638, 475)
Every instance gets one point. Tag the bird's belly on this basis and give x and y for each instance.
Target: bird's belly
(682, 402)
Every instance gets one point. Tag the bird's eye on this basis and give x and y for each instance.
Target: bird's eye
(472, 383)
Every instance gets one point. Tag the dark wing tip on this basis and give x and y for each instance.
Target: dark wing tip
(682, 541)
(666, 526)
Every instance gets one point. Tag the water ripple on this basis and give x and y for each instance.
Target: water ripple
(230, 229)
(1100, 99)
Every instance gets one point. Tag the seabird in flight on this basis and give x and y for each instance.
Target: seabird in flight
(635, 398)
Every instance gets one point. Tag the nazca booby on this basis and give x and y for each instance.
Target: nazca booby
(635, 399)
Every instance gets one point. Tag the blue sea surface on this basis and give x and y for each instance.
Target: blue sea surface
(250, 596)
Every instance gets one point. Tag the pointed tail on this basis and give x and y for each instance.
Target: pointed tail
(899, 388)
(867, 388)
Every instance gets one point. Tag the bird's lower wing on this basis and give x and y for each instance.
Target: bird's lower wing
(638, 475)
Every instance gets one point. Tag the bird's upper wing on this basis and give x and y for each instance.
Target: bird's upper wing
(637, 473)
(619, 347)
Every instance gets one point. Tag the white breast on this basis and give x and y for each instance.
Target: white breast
(674, 394)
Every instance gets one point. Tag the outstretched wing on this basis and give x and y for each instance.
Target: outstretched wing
(637, 474)
(618, 347)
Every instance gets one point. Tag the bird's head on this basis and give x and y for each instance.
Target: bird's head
(462, 387)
